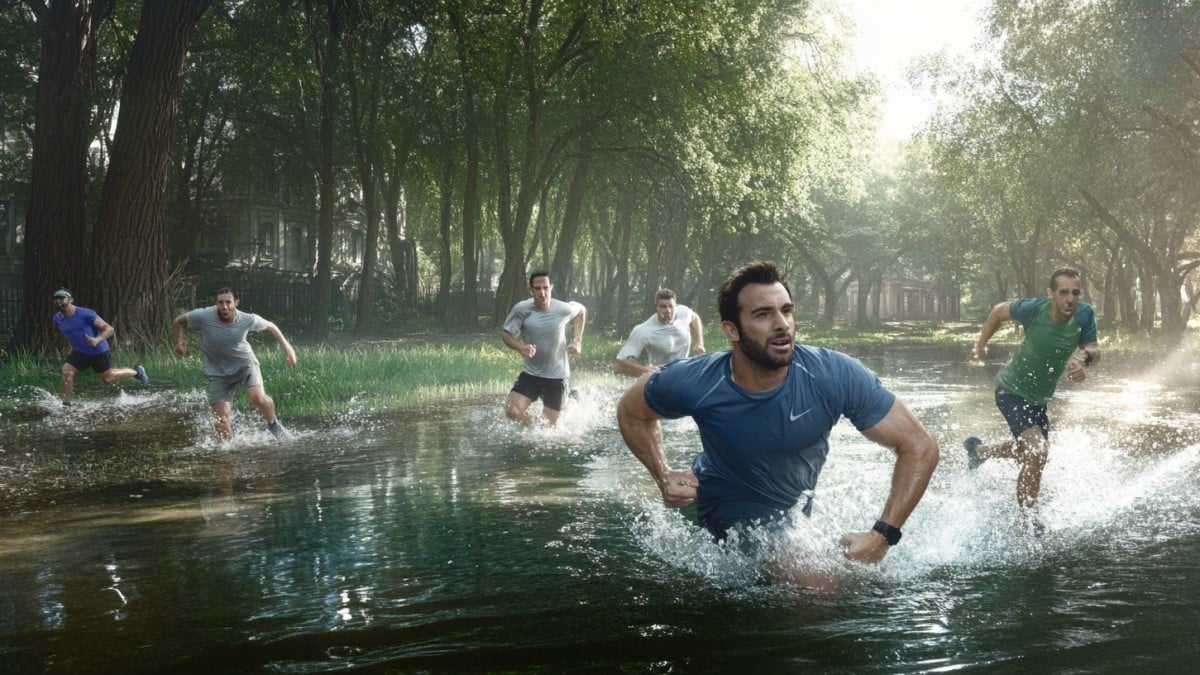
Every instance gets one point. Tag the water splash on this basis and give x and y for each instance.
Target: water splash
(1103, 483)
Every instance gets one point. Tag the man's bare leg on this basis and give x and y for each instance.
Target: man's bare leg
(221, 414)
(516, 408)
(67, 383)
(259, 399)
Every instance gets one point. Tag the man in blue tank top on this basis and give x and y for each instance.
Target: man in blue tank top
(88, 335)
(765, 409)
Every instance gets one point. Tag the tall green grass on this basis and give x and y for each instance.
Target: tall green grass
(327, 376)
(387, 375)
(419, 370)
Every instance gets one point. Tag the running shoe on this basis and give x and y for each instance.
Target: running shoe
(1035, 525)
(142, 377)
(278, 431)
(972, 445)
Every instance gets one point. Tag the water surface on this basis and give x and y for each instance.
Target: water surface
(445, 540)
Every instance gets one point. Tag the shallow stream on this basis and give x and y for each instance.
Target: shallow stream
(444, 539)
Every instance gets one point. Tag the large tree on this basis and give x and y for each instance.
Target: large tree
(128, 247)
(55, 224)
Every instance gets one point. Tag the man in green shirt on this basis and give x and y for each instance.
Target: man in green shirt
(1055, 326)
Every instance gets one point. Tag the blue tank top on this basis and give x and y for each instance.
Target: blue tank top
(766, 447)
(77, 328)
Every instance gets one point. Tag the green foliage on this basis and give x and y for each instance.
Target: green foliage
(389, 375)
(1073, 148)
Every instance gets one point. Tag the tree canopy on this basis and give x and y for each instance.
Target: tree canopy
(623, 145)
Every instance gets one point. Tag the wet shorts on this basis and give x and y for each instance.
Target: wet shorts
(1021, 414)
(532, 387)
(223, 388)
(720, 517)
(101, 363)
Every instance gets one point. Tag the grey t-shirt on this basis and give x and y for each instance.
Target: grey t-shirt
(225, 350)
(548, 330)
(662, 343)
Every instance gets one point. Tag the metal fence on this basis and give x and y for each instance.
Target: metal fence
(290, 300)
(10, 309)
(280, 297)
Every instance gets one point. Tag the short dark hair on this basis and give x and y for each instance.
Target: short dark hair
(539, 273)
(664, 294)
(757, 272)
(1061, 272)
(225, 289)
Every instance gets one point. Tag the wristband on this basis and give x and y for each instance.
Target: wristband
(889, 532)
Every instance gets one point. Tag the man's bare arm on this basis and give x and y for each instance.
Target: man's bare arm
(643, 435)
(917, 456)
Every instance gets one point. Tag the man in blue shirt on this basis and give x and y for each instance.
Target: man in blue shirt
(765, 409)
(88, 335)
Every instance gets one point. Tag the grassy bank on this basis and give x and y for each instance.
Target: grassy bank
(419, 369)
(390, 374)
(124, 455)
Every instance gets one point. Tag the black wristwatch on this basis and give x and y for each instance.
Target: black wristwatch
(890, 533)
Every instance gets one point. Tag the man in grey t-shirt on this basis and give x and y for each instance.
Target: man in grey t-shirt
(537, 328)
(229, 361)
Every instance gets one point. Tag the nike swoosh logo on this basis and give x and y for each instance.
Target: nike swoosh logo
(793, 416)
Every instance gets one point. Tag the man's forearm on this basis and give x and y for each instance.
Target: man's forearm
(642, 433)
(991, 324)
(510, 341)
(910, 477)
(630, 366)
(577, 327)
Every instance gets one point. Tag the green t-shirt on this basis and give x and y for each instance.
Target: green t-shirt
(1041, 359)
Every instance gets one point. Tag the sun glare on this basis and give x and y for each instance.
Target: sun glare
(890, 35)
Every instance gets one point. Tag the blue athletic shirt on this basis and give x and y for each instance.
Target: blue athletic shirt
(77, 328)
(766, 447)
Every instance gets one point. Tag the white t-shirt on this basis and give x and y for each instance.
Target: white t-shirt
(662, 343)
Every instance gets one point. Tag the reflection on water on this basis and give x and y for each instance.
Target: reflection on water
(447, 540)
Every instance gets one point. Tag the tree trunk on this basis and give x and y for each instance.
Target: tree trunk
(624, 221)
(1147, 285)
(512, 277)
(471, 207)
(445, 216)
(1127, 298)
(860, 306)
(129, 242)
(560, 268)
(55, 222)
(366, 286)
(470, 219)
(325, 33)
(402, 253)
(366, 141)
(1170, 300)
(513, 283)
(877, 298)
